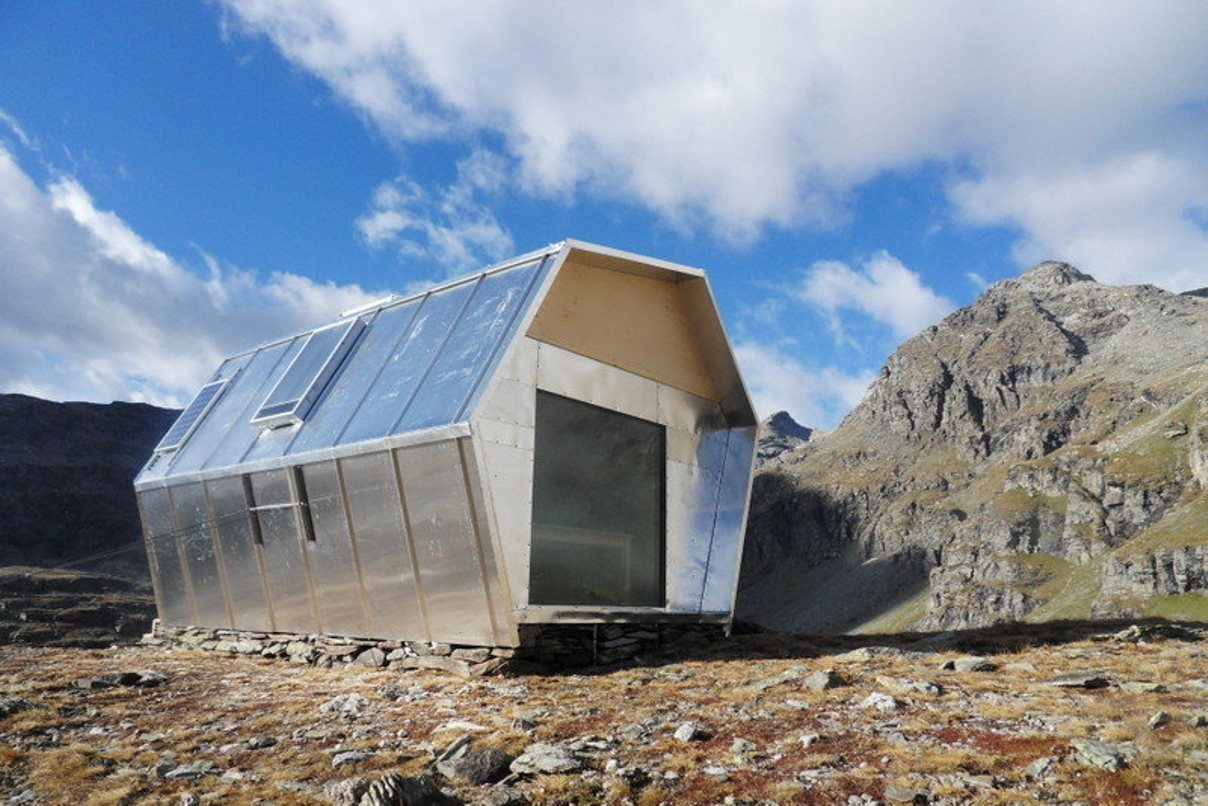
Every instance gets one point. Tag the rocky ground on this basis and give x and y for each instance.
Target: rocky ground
(65, 608)
(1068, 713)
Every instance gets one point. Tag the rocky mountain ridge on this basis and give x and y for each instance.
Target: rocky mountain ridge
(1042, 453)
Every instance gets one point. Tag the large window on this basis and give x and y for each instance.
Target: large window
(598, 507)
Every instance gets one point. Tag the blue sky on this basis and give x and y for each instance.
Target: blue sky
(179, 181)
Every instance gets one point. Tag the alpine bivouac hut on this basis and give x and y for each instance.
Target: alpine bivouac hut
(563, 438)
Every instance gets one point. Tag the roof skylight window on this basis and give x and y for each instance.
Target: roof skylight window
(313, 368)
(191, 417)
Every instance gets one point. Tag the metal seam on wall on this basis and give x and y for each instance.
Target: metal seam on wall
(214, 538)
(409, 542)
(346, 511)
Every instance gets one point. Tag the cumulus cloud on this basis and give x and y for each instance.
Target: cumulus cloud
(772, 114)
(92, 311)
(882, 288)
(816, 396)
(450, 225)
(1127, 219)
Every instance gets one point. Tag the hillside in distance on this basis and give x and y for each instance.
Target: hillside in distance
(66, 473)
(1040, 454)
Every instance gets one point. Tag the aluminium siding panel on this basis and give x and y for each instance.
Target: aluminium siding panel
(245, 586)
(378, 527)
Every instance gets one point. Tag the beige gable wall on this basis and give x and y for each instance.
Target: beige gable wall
(626, 320)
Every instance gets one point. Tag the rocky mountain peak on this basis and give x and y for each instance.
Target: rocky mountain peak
(780, 434)
(1053, 273)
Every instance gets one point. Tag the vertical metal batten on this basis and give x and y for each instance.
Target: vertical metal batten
(366, 610)
(222, 578)
(249, 500)
(408, 539)
(304, 531)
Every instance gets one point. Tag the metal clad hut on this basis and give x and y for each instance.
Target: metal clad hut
(563, 438)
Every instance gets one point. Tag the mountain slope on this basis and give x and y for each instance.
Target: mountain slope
(65, 476)
(1042, 453)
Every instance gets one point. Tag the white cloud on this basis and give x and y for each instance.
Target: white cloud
(14, 126)
(450, 227)
(92, 311)
(817, 397)
(749, 115)
(1126, 219)
(882, 288)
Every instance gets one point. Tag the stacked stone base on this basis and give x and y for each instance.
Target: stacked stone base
(548, 647)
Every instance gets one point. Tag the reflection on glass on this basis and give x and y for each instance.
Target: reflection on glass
(598, 507)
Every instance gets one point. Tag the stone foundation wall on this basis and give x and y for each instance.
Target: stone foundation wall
(543, 647)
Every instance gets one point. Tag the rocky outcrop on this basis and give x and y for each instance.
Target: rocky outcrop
(65, 478)
(1034, 453)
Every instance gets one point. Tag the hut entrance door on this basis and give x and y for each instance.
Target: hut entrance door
(598, 507)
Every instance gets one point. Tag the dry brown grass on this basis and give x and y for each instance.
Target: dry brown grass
(984, 724)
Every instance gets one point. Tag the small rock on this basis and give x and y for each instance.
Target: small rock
(546, 758)
(189, 799)
(689, 732)
(393, 789)
(345, 705)
(795, 673)
(347, 792)
(910, 686)
(477, 765)
(506, 797)
(881, 702)
(261, 742)
(373, 657)
(810, 739)
(1158, 720)
(905, 794)
(11, 705)
(742, 746)
(1141, 687)
(1081, 680)
(1104, 755)
(350, 757)
(867, 653)
(471, 654)
(823, 680)
(195, 769)
(1199, 721)
(1040, 768)
(973, 663)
